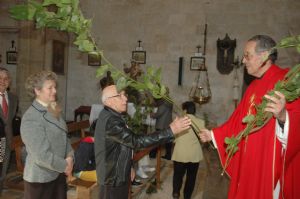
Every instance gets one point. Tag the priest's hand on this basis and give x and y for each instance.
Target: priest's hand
(276, 106)
(205, 135)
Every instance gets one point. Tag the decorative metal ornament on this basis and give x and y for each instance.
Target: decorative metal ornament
(200, 92)
(225, 54)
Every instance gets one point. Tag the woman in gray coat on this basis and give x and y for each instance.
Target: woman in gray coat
(44, 133)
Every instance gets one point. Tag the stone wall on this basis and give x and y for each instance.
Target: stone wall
(169, 29)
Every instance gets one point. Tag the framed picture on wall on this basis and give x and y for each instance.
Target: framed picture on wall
(139, 56)
(197, 63)
(11, 57)
(94, 60)
(58, 57)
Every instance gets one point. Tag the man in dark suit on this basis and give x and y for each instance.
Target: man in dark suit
(8, 108)
(163, 117)
(2, 144)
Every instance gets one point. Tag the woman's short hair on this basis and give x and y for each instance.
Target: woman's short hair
(36, 81)
(190, 107)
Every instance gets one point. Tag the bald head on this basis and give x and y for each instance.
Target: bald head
(108, 92)
(113, 99)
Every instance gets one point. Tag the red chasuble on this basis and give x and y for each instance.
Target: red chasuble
(261, 161)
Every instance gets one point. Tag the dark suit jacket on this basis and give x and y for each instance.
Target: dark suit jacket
(163, 115)
(12, 109)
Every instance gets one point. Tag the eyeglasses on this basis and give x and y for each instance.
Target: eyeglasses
(248, 56)
(119, 95)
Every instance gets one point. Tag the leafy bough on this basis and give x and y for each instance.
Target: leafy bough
(65, 15)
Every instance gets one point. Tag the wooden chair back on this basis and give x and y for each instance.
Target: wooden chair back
(74, 127)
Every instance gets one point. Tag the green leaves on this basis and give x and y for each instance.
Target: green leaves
(289, 42)
(65, 16)
(23, 12)
(248, 118)
(58, 3)
(232, 143)
(293, 41)
(102, 70)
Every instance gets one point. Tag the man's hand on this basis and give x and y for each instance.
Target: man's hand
(180, 124)
(205, 135)
(132, 174)
(276, 105)
(69, 167)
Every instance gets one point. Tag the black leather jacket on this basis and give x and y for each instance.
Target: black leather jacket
(114, 143)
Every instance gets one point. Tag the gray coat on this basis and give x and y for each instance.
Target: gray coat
(46, 143)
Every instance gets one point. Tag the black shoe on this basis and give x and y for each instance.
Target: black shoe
(166, 157)
(175, 195)
(135, 183)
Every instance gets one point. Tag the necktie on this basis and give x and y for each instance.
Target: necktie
(4, 106)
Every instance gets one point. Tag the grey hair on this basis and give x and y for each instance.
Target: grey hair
(36, 81)
(265, 43)
(2, 69)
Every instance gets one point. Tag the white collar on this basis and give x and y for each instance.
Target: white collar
(42, 103)
(5, 93)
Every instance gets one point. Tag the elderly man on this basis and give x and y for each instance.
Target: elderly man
(114, 142)
(268, 160)
(8, 108)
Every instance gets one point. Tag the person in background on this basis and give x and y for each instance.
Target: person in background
(186, 155)
(115, 141)
(268, 160)
(163, 117)
(85, 166)
(44, 132)
(2, 145)
(8, 109)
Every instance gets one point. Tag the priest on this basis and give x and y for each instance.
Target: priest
(268, 160)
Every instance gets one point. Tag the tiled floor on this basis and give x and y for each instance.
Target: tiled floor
(209, 185)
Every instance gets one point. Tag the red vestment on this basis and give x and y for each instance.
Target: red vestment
(260, 161)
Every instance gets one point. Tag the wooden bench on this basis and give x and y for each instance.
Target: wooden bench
(83, 188)
(16, 146)
(14, 180)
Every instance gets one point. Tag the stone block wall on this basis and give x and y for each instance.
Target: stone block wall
(168, 29)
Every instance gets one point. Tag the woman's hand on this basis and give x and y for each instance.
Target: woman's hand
(69, 167)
